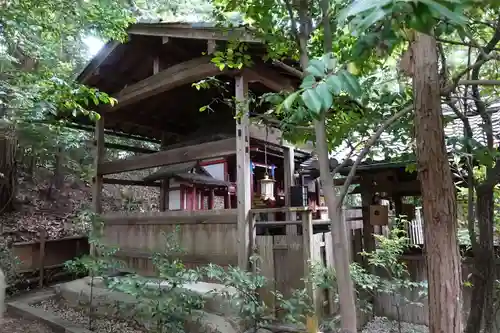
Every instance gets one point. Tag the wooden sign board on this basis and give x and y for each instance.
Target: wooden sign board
(379, 215)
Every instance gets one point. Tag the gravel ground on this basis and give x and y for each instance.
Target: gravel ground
(384, 325)
(100, 325)
(17, 325)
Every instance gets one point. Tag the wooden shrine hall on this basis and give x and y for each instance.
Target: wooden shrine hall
(230, 187)
(212, 168)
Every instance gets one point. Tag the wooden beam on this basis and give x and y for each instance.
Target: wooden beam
(274, 136)
(269, 78)
(129, 182)
(243, 180)
(170, 216)
(167, 79)
(118, 146)
(96, 62)
(270, 134)
(188, 31)
(168, 157)
(86, 128)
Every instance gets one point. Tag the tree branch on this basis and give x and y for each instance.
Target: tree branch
(480, 106)
(454, 42)
(293, 21)
(456, 78)
(375, 136)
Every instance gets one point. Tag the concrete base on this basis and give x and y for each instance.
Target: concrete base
(217, 316)
(22, 308)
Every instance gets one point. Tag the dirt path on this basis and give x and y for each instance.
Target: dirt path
(17, 325)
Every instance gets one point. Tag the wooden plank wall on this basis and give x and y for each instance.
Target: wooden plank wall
(212, 238)
(207, 239)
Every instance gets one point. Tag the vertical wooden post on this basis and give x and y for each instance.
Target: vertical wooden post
(288, 182)
(164, 185)
(211, 199)
(252, 240)
(41, 257)
(243, 170)
(99, 154)
(307, 248)
(368, 230)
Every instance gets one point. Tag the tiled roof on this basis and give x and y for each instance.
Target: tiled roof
(453, 129)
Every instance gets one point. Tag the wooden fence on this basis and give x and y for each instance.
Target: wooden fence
(205, 236)
(211, 237)
(42, 256)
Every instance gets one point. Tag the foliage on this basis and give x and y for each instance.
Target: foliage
(253, 311)
(387, 274)
(162, 302)
(8, 263)
(242, 291)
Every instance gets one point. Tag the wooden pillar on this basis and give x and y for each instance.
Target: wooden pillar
(99, 154)
(288, 182)
(165, 183)
(211, 199)
(307, 248)
(398, 209)
(243, 170)
(368, 230)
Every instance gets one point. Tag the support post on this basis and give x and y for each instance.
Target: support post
(164, 191)
(211, 199)
(99, 154)
(243, 170)
(368, 230)
(41, 258)
(307, 248)
(288, 182)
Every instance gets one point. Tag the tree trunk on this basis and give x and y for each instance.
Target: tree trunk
(7, 167)
(481, 311)
(58, 172)
(438, 193)
(341, 255)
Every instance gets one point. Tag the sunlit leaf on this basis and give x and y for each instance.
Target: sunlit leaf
(325, 95)
(312, 100)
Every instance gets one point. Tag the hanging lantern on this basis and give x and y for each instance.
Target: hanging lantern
(267, 188)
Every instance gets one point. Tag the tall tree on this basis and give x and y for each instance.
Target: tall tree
(380, 28)
(41, 48)
(438, 191)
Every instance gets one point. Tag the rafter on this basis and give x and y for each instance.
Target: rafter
(191, 32)
(168, 157)
(269, 78)
(96, 62)
(167, 79)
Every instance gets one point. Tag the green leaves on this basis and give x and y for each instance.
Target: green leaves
(312, 100)
(323, 92)
(421, 15)
(350, 83)
(318, 96)
(317, 67)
